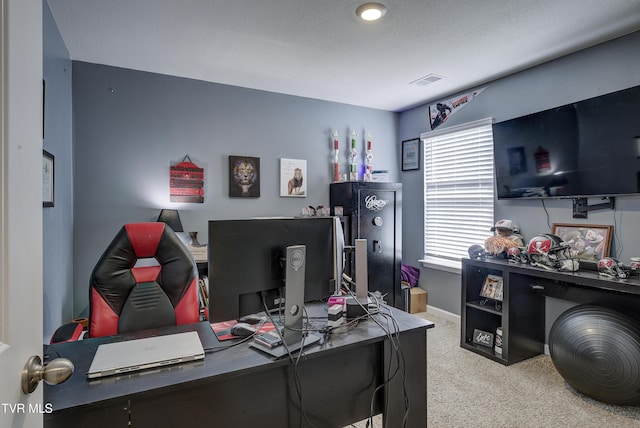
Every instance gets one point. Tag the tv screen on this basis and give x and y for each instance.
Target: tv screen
(246, 262)
(588, 148)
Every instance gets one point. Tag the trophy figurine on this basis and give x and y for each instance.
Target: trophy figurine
(353, 170)
(368, 175)
(336, 157)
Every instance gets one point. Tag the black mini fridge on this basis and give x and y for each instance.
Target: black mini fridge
(373, 211)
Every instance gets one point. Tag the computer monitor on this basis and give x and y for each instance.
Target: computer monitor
(246, 262)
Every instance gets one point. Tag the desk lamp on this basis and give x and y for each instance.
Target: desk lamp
(172, 219)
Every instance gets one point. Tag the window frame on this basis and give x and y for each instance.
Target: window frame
(443, 262)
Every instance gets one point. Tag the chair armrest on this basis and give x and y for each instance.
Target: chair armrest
(68, 332)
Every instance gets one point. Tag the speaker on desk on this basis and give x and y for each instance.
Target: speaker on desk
(296, 257)
(358, 306)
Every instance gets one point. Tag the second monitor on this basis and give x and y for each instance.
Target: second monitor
(246, 262)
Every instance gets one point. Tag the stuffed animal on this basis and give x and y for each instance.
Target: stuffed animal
(506, 236)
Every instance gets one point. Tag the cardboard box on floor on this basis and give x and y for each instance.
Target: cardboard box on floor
(417, 300)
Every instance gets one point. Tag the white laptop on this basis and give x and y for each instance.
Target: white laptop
(139, 354)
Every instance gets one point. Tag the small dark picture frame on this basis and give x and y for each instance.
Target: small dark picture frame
(482, 338)
(411, 154)
(48, 164)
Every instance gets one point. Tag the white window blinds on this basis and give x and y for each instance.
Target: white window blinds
(458, 189)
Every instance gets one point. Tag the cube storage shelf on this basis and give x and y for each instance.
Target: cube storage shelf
(521, 314)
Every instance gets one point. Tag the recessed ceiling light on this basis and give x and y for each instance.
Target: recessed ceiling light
(371, 11)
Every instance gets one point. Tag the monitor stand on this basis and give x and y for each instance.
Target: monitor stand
(294, 306)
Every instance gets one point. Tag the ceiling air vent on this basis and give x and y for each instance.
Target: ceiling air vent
(426, 80)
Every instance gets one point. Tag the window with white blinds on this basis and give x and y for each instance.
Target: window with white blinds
(458, 189)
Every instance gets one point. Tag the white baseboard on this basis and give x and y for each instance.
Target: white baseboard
(449, 316)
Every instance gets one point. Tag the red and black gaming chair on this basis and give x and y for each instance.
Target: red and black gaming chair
(125, 298)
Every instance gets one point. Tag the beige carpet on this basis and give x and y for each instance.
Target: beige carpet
(467, 390)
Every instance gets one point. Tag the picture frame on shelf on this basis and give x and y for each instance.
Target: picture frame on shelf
(492, 288)
(588, 242)
(411, 154)
(482, 338)
(48, 176)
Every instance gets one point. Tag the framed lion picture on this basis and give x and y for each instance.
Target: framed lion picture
(293, 181)
(244, 177)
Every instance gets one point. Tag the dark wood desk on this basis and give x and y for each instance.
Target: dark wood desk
(522, 312)
(241, 387)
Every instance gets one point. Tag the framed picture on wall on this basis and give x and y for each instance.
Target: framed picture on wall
(44, 87)
(411, 154)
(48, 164)
(186, 182)
(292, 178)
(588, 242)
(244, 177)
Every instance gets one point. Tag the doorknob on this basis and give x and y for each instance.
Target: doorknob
(57, 371)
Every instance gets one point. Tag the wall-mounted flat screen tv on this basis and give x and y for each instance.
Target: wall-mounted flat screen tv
(588, 148)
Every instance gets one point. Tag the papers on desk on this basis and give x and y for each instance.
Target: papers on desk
(223, 329)
(199, 254)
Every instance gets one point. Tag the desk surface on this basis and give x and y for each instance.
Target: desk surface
(79, 391)
(583, 277)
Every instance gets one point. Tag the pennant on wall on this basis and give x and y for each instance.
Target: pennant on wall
(443, 110)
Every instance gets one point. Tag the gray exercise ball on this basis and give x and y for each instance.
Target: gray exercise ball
(596, 349)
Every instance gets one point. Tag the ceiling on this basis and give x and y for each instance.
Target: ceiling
(320, 49)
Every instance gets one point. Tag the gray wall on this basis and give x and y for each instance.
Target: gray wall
(129, 126)
(57, 220)
(599, 70)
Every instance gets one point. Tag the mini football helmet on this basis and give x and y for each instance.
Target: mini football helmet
(517, 255)
(611, 268)
(476, 252)
(552, 253)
